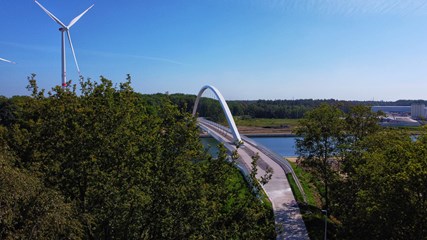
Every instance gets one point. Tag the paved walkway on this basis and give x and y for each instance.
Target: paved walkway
(289, 222)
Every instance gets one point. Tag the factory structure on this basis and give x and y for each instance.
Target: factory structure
(418, 111)
(413, 115)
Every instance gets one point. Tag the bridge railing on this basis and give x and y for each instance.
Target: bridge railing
(284, 164)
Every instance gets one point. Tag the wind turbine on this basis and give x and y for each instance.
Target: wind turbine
(5, 60)
(65, 29)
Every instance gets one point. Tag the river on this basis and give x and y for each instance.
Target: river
(284, 146)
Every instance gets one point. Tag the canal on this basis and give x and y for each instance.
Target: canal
(284, 146)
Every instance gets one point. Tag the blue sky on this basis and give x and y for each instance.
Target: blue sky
(248, 49)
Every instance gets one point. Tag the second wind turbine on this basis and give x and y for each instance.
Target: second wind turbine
(65, 29)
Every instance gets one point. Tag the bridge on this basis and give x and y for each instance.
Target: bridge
(288, 219)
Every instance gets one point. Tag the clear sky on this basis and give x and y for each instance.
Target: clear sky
(248, 49)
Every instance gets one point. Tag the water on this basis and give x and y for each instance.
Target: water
(284, 146)
(210, 144)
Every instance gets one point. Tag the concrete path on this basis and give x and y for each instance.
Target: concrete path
(289, 222)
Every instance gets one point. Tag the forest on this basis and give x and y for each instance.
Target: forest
(291, 109)
(99, 161)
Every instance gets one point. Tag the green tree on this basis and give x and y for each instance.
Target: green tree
(29, 210)
(389, 190)
(361, 122)
(322, 133)
(132, 166)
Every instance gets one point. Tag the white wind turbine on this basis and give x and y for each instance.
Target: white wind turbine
(66, 29)
(5, 60)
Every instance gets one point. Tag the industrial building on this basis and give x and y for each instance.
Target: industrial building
(418, 111)
(402, 115)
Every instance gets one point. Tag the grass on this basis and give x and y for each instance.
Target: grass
(264, 198)
(267, 122)
(306, 180)
(246, 188)
(311, 210)
(297, 193)
(293, 123)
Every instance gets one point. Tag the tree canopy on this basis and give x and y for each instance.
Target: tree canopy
(117, 164)
(374, 178)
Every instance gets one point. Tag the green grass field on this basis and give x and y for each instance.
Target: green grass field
(293, 123)
(267, 122)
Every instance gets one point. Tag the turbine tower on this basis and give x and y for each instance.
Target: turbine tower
(5, 60)
(65, 29)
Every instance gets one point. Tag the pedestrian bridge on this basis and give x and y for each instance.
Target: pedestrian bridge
(289, 222)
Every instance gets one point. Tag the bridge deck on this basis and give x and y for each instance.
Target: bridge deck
(289, 222)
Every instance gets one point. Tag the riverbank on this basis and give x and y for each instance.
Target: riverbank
(256, 131)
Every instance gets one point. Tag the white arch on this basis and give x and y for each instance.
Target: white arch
(225, 108)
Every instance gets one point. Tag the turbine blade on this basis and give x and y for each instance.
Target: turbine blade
(72, 50)
(5, 60)
(51, 15)
(78, 17)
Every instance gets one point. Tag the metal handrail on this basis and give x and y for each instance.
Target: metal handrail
(284, 164)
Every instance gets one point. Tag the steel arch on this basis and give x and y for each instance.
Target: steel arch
(225, 108)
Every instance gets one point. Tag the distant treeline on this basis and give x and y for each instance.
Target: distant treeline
(273, 108)
(293, 109)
